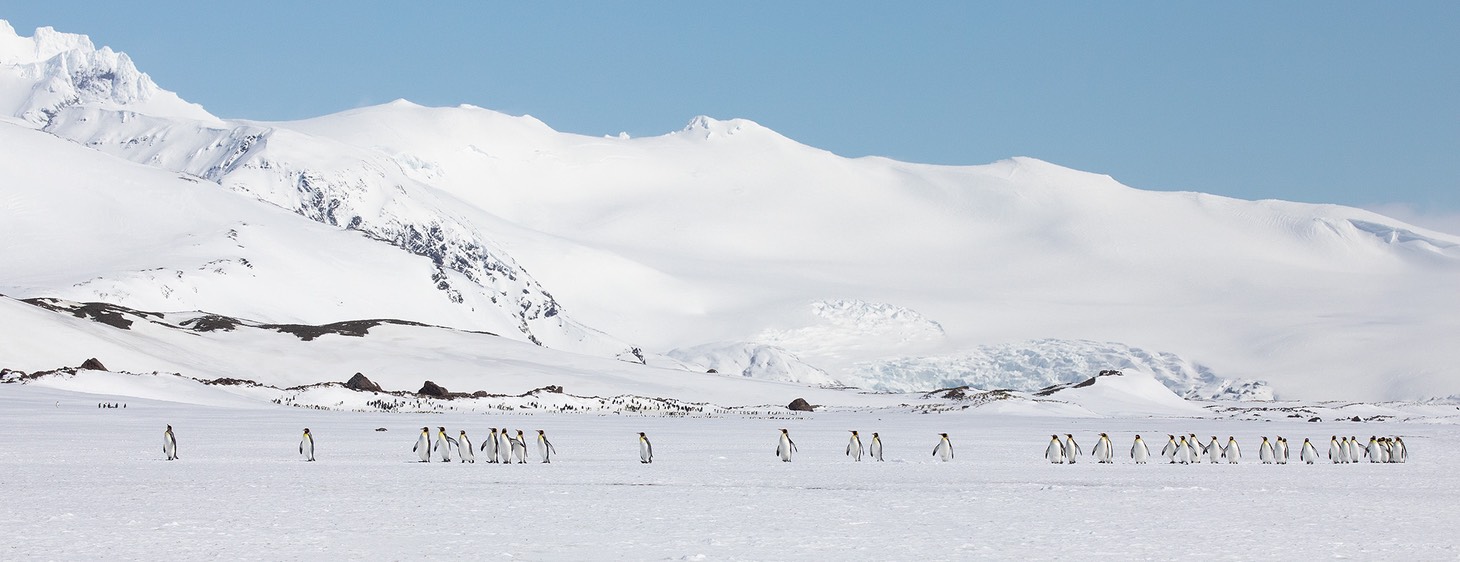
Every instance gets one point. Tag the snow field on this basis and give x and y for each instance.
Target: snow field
(83, 482)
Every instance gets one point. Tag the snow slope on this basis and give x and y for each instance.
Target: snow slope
(726, 240)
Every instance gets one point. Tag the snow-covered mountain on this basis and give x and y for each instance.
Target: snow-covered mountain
(722, 246)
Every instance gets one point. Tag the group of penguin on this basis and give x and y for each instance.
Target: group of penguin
(1180, 450)
(502, 447)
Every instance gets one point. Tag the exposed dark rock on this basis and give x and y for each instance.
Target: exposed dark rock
(1356, 418)
(432, 389)
(1315, 419)
(231, 382)
(380, 429)
(362, 383)
(93, 364)
(801, 405)
(211, 323)
(109, 314)
(712, 371)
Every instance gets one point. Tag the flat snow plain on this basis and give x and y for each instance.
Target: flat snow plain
(85, 483)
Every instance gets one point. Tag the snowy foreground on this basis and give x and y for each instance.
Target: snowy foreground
(83, 482)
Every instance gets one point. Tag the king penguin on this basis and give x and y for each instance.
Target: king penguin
(504, 447)
(1184, 452)
(1055, 451)
(1308, 454)
(1280, 451)
(1104, 452)
(854, 447)
(1197, 448)
(1213, 451)
(1336, 452)
(464, 448)
(169, 444)
(646, 449)
(545, 448)
(306, 446)
(944, 449)
(1170, 450)
(1139, 452)
(1072, 449)
(875, 449)
(1265, 451)
(785, 447)
(519, 448)
(1401, 452)
(423, 445)
(1353, 449)
(489, 446)
(1232, 453)
(444, 443)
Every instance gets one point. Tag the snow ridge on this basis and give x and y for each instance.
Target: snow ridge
(1032, 365)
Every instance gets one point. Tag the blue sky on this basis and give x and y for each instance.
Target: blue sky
(1350, 103)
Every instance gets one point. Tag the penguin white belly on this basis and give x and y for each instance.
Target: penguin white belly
(1055, 452)
(1214, 451)
(465, 451)
(1139, 453)
(854, 449)
(783, 449)
(504, 448)
(423, 447)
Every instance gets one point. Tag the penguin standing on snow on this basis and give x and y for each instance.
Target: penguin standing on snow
(169, 444)
(785, 447)
(504, 447)
(875, 449)
(1072, 449)
(1401, 453)
(1233, 453)
(1281, 450)
(545, 448)
(444, 443)
(1184, 452)
(1169, 451)
(489, 446)
(1213, 451)
(464, 448)
(519, 448)
(1197, 448)
(1139, 452)
(1265, 451)
(423, 445)
(646, 449)
(1353, 449)
(1104, 452)
(1336, 451)
(1308, 454)
(944, 449)
(854, 447)
(1055, 452)
(306, 446)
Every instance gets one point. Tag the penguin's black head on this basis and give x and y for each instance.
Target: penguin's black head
(306, 431)
(945, 435)
(169, 428)
(641, 434)
(539, 432)
(1138, 437)
(854, 432)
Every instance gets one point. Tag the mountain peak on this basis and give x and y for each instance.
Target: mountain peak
(52, 71)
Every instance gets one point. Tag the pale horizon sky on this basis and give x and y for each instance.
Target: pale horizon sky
(1348, 103)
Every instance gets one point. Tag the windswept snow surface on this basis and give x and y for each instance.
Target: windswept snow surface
(714, 492)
